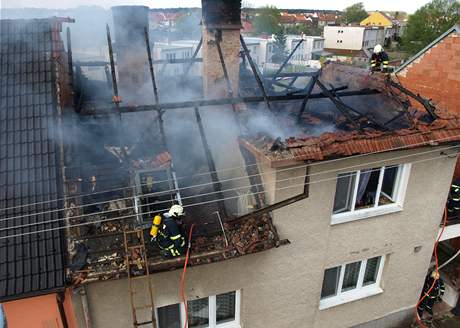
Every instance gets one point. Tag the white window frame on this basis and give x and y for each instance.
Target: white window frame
(212, 308)
(400, 187)
(356, 293)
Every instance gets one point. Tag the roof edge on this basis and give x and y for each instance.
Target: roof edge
(455, 28)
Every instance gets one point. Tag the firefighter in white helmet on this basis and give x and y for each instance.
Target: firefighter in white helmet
(168, 233)
(379, 60)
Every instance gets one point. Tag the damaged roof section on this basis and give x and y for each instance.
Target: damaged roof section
(33, 263)
(354, 125)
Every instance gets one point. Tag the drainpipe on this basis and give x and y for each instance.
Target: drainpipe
(84, 303)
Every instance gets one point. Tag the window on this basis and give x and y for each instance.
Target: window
(351, 281)
(219, 311)
(369, 192)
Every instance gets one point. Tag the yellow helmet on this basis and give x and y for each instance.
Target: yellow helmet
(378, 49)
(435, 274)
(176, 210)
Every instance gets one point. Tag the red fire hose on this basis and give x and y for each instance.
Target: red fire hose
(182, 277)
(417, 317)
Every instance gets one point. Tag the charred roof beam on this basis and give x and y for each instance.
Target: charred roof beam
(347, 110)
(430, 108)
(108, 110)
(254, 71)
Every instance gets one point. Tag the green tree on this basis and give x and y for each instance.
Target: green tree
(279, 47)
(428, 22)
(267, 20)
(355, 13)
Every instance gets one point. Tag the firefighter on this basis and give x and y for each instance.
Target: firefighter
(433, 296)
(453, 203)
(379, 60)
(168, 233)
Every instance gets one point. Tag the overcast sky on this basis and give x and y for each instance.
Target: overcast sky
(408, 5)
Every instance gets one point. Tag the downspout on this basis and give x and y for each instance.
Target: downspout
(85, 306)
(60, 298)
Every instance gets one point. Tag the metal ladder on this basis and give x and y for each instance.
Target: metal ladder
(139, 278)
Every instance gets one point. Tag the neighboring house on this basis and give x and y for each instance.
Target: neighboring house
(352, 37)
(248, 27)
(290, 20)
(352, 44)
(262, 50)
(163, 19)
(34, 94)
(311, 49)
(378, 18)
(327, 19)
(177, 50)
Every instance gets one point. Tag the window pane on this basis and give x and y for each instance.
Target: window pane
(225, 307)
(330, 282)
(372, 268)
(388, 185)
(198, 313)
(367, 188)
(344, 192)
(350, 278)
(169, 316)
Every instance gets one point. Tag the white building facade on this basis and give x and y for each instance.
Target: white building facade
(353, 37)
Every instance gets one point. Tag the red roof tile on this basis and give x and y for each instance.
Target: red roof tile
(342, 144)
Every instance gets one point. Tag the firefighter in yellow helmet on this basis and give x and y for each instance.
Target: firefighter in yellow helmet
(168, 233)
(430, 295)
(379, 60)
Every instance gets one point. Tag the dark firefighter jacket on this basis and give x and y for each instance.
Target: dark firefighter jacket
(437, 291)
(453, 204)
(171, 237)
(379, 62)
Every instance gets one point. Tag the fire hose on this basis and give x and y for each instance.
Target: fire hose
(184, 271)
(417, 317)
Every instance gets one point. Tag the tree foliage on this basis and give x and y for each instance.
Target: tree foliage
(268, 20)
(428, 22)
(355, 13)
(279, 47)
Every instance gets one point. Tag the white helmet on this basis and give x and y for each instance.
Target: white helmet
(176, 210)
(378, 49)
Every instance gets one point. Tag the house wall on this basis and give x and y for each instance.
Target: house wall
(436, 75)
(376, 19)
(281, 287)
(351, 38)
(372, 37)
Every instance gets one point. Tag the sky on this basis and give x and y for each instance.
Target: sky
(388, 5)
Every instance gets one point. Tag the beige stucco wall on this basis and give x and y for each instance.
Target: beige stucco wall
(281, 287)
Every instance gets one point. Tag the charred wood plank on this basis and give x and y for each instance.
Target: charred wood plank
(254, 71)
(307, 96)
(152, 71)
(193, 59)
(287, 60)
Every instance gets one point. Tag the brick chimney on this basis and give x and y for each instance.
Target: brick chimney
(131, 54)
(221, 21)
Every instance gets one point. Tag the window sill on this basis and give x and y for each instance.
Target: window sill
(365, 213)
(348, 297)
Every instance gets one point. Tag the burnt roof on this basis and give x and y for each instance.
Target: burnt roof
(385, 121)
(29, 171)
